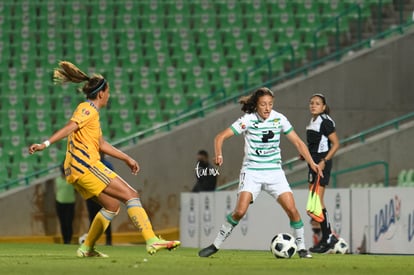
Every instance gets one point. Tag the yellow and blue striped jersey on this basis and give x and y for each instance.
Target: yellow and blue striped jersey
(83, 144)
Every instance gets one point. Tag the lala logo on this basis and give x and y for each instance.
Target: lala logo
(385, 220)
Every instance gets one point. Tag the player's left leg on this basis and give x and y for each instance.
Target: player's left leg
(232, 220)
(287, 202)
(121, 190)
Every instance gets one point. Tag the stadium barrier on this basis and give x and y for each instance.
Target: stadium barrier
(371, 220)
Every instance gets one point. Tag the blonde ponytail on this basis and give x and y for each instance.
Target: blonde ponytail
(68, 72)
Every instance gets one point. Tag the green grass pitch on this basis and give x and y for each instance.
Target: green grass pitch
(61, 259)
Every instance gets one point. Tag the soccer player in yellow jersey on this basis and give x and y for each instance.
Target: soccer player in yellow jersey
(85, 171)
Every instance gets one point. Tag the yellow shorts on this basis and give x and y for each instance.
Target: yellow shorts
(93, 182)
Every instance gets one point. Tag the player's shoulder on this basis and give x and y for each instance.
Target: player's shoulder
(277, 115)
(326, 118)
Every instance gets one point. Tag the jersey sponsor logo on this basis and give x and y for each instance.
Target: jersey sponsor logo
(267, 135)
(265, 152)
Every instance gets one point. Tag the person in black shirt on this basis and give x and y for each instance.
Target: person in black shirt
(323, 143)
(206, 174)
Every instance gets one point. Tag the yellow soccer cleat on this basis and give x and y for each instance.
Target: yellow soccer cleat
(84, 252)
(160, 244)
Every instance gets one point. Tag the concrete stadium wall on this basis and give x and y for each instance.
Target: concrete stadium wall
(366, 89)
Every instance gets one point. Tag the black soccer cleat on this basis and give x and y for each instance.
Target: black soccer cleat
(208, 251)
(325, 246)
(303, 253)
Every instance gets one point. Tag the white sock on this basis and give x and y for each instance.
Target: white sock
(222, 235)
(299, 234)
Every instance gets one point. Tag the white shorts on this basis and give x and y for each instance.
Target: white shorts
(274, 182)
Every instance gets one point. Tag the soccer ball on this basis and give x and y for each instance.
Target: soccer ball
(283, 245)
(341, 247)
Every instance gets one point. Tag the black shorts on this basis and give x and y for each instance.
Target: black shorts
(312, 176)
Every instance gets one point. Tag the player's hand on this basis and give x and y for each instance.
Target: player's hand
(36, 147)
(316, 168)
(133, 165)
(218, 160)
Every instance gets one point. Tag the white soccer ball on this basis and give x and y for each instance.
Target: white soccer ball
(341, 247)
(283, 245)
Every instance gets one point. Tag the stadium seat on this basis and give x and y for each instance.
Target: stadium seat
(281, 21)
(229, 6)
(255, 21)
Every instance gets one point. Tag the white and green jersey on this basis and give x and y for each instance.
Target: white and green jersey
(261, 139)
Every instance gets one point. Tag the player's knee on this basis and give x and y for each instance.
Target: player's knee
(109, 215)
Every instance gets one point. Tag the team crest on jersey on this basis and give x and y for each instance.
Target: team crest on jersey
(85, 112)
(242, 125)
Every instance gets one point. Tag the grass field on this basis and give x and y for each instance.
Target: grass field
(59, 259)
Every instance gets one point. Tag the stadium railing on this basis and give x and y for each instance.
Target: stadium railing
(202, 106)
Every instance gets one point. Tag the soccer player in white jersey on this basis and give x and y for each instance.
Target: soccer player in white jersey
(262, 164)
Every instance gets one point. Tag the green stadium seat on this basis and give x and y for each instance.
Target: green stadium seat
(229, 21)
(282, 21)
(125, 21)
(149, 118)
(304, 7)
(309, 40)
(236, 40)
(149, 101)
(120, 101)
(241, 61)
(177, 21)
(151, 7)
(280, 6)
(127, 7)
(102, 7)
(13, 141)
(256, 6)
(178, 7)
(123, 129)
(100, 21)
(331, 8)
(203, 7)
(256, 20)
(174, 105)
(148, 22)
(198, 88)
(229, 6)
(203, 21)
(212, 60)
(309, 22)
(183, 62)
